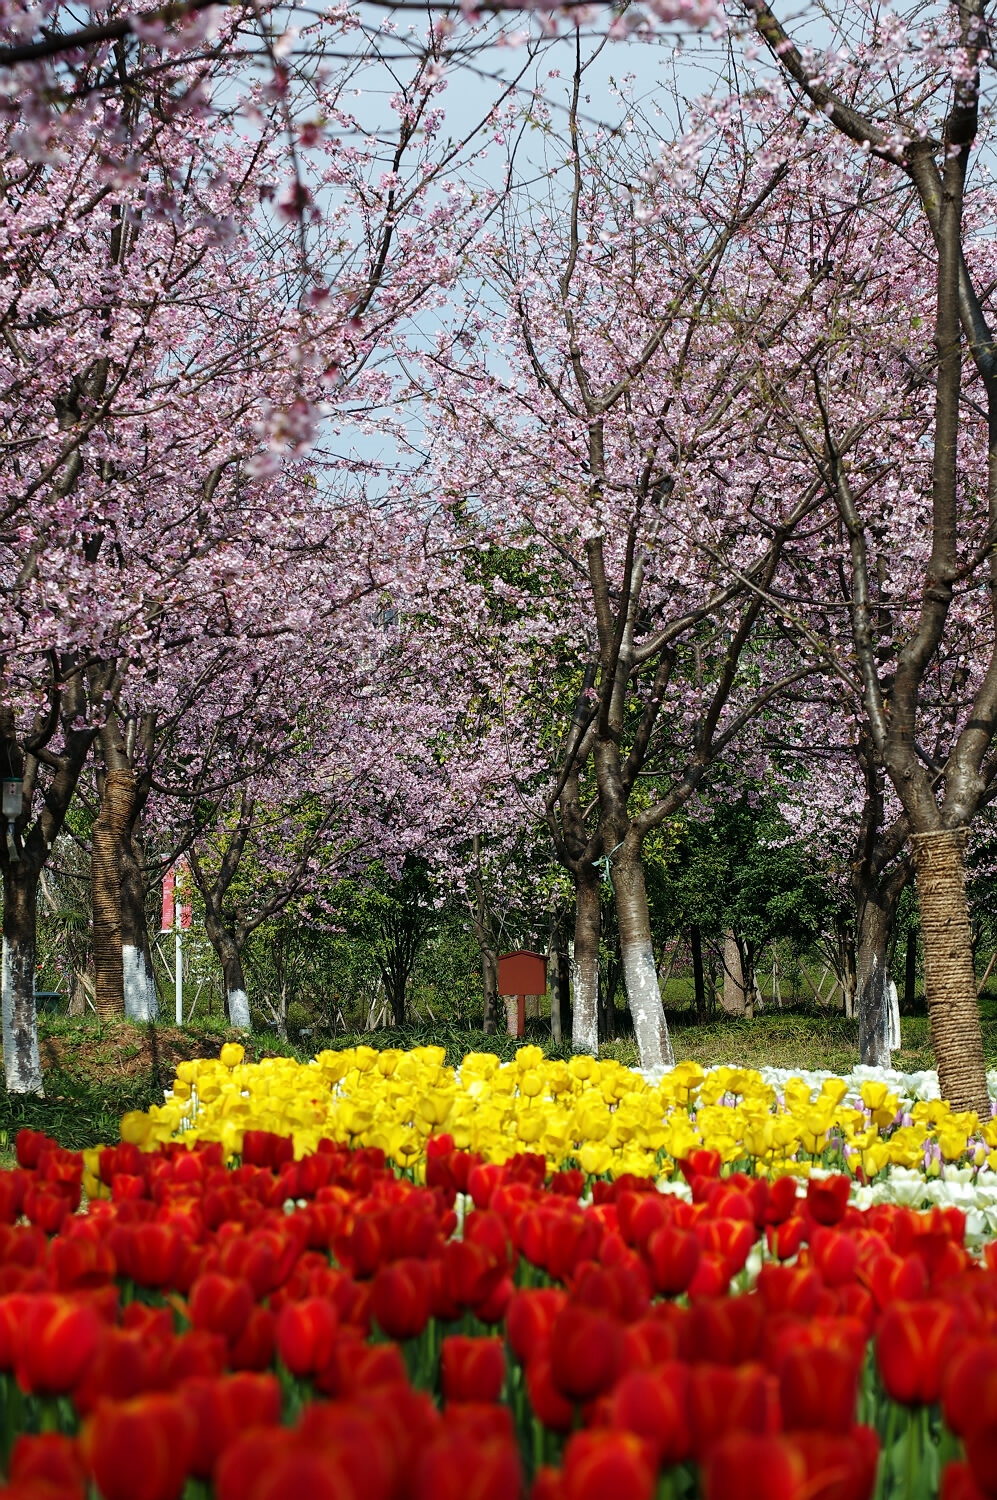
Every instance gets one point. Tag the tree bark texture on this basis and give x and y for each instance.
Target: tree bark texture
(489, 987)
(585, 967)
(949, 975)
(875, 920)
(640, 972)
(22, 1061)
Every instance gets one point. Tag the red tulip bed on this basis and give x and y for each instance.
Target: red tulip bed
(329, 1330)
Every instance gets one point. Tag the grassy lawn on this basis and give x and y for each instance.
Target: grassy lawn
(94, 1073)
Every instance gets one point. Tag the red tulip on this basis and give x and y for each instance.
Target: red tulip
(958, 1484)
(13, 1186)
(818, 1387)
(727, 1331)
(29, 1145)
(712, 1277)
(601, 1463)
(654, 1404)
(836, 1256)
(253, 1349)
(745, 1466)
(789, 1289)
(839, 1466)
(910, 1350)
(731, 1238)
(306, 1335)
(784, 1239)
(47, 1209)
(454, 1467)
(550, 1407)
(220, 1304)
(472, 1369)
(586, 1352)
(827, 1198)
(529, 1319)
(981, 1453)
(781, 1201)
(140, 1450)
(969, 1387)
(672, 1256)
(547, 1484)
(482, 1421)
(49, 1459)
(724, 1400)
(122, 1366)
(225, 1407)
(401, 1298)
(58, 1339)
(648, 1343)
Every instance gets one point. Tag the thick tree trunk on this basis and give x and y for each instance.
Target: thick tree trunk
(141, 1000)
(875, 919)
(22, 1062)
(698, 978)
(585, 967)
(640, 972)
(949, 975)
(111, 832)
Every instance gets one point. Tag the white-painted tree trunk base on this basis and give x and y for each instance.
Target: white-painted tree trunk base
(585, 1013)
(238, 1009)
(894, 1017)
(141, 1000)
(644, 996)
(22, 1060)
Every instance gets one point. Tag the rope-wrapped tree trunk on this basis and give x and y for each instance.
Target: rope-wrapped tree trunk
(949, 975)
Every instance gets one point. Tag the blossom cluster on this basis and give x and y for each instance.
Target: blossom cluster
(889, 1132)
(328, 1326)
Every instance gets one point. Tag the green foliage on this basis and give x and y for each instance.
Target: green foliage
(735, 870)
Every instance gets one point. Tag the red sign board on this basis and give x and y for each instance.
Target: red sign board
(522, 973)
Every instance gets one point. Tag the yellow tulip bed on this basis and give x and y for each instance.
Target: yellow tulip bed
(599, 1116)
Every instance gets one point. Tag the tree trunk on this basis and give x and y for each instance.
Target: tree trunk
(910, 972)
(228, 954)
(735, 996)
(22, 1061)
(875, 918)
(949, 975)
(111, 830)
(560, 993)
(698, 978)
(141, 1000)
(640, 972)
(489, 986)
(585, 967)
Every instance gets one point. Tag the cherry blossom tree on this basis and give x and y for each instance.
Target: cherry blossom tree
(618, 442)
(907, 93)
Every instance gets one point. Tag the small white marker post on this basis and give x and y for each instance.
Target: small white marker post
(178, 957)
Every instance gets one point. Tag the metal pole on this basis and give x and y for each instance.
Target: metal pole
(178, 959)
